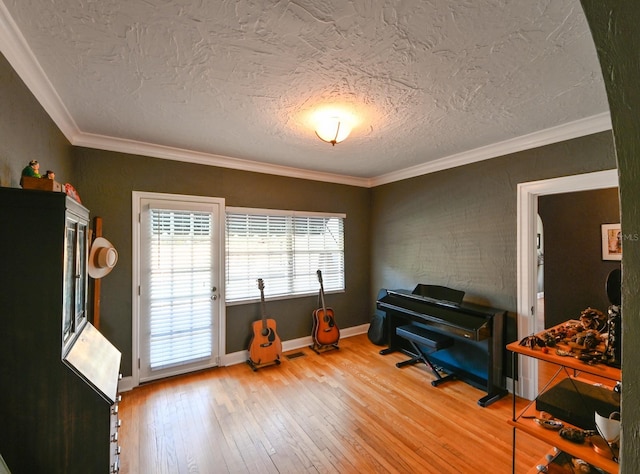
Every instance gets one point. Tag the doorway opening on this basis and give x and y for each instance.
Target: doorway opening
(527, 384)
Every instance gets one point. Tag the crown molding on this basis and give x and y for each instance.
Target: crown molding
(102, 142)
(15, 48)
(579, 128)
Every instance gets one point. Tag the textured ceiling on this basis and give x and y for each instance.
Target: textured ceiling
(237, 80)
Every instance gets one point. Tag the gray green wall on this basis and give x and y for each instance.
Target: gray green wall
(105, 181)
(458, 227)
(27, 133)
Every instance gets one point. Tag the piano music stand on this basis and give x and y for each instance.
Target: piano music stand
(439, 292)
(419, 338)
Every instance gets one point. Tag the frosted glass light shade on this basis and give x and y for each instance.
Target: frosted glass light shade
(333, 130)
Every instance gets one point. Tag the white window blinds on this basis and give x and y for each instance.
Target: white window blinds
(179, 285)
(285, 249)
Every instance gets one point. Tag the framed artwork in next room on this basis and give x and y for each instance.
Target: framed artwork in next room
(611, 242)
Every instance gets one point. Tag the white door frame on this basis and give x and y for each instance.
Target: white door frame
(527, 384)
(136, 198)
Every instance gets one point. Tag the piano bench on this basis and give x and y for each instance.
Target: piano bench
(424, 342)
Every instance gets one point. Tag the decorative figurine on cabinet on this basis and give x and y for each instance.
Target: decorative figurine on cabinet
(32, 170)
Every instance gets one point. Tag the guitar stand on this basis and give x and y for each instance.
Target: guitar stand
(320, 348)
(255, 366)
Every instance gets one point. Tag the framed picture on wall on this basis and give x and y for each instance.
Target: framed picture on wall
(611, 242)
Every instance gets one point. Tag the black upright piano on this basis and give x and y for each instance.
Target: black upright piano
(477, 353)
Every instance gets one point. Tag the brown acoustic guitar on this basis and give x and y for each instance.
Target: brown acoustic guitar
(265, 347)
(325, 329)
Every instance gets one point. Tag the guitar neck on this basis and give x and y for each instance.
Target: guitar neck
(324, 309)
(264, 312)
(263, 309)
(322, 298)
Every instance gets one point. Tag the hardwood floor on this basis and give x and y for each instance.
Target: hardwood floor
(343, 411)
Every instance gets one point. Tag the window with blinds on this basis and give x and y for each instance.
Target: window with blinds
(285, 249)
(180, 324)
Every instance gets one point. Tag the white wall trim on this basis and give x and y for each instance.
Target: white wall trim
(527, 383)
(102, 142)
(579, 128)
(588, 126)
(240, 357)
(17, 51)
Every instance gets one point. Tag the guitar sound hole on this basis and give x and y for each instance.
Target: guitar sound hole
(265, 332)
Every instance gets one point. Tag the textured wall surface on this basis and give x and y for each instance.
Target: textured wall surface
(106, 180)
(458, 227)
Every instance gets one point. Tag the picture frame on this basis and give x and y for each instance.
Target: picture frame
(611, 241)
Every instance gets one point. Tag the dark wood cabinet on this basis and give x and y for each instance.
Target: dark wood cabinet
(58, 402)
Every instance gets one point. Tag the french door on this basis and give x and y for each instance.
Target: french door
(180, 278)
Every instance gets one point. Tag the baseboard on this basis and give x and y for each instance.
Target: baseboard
(509, 385)
(240, 357)
(125, 384)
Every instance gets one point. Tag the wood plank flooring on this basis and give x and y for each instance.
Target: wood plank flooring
(345, 411)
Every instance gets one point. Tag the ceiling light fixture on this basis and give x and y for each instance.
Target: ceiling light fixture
(333, 130)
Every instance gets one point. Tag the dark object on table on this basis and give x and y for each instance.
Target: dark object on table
(576, 402)
(549, 424)
(613, 351)
(593, 319)
(532, 342)
(572, 434)
(614, 287)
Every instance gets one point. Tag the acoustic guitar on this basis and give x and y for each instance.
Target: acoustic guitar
(325, 329)
(265, 347)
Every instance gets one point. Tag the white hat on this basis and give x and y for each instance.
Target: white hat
(102, 258)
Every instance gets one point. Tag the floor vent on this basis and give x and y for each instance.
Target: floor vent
(295, 355)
